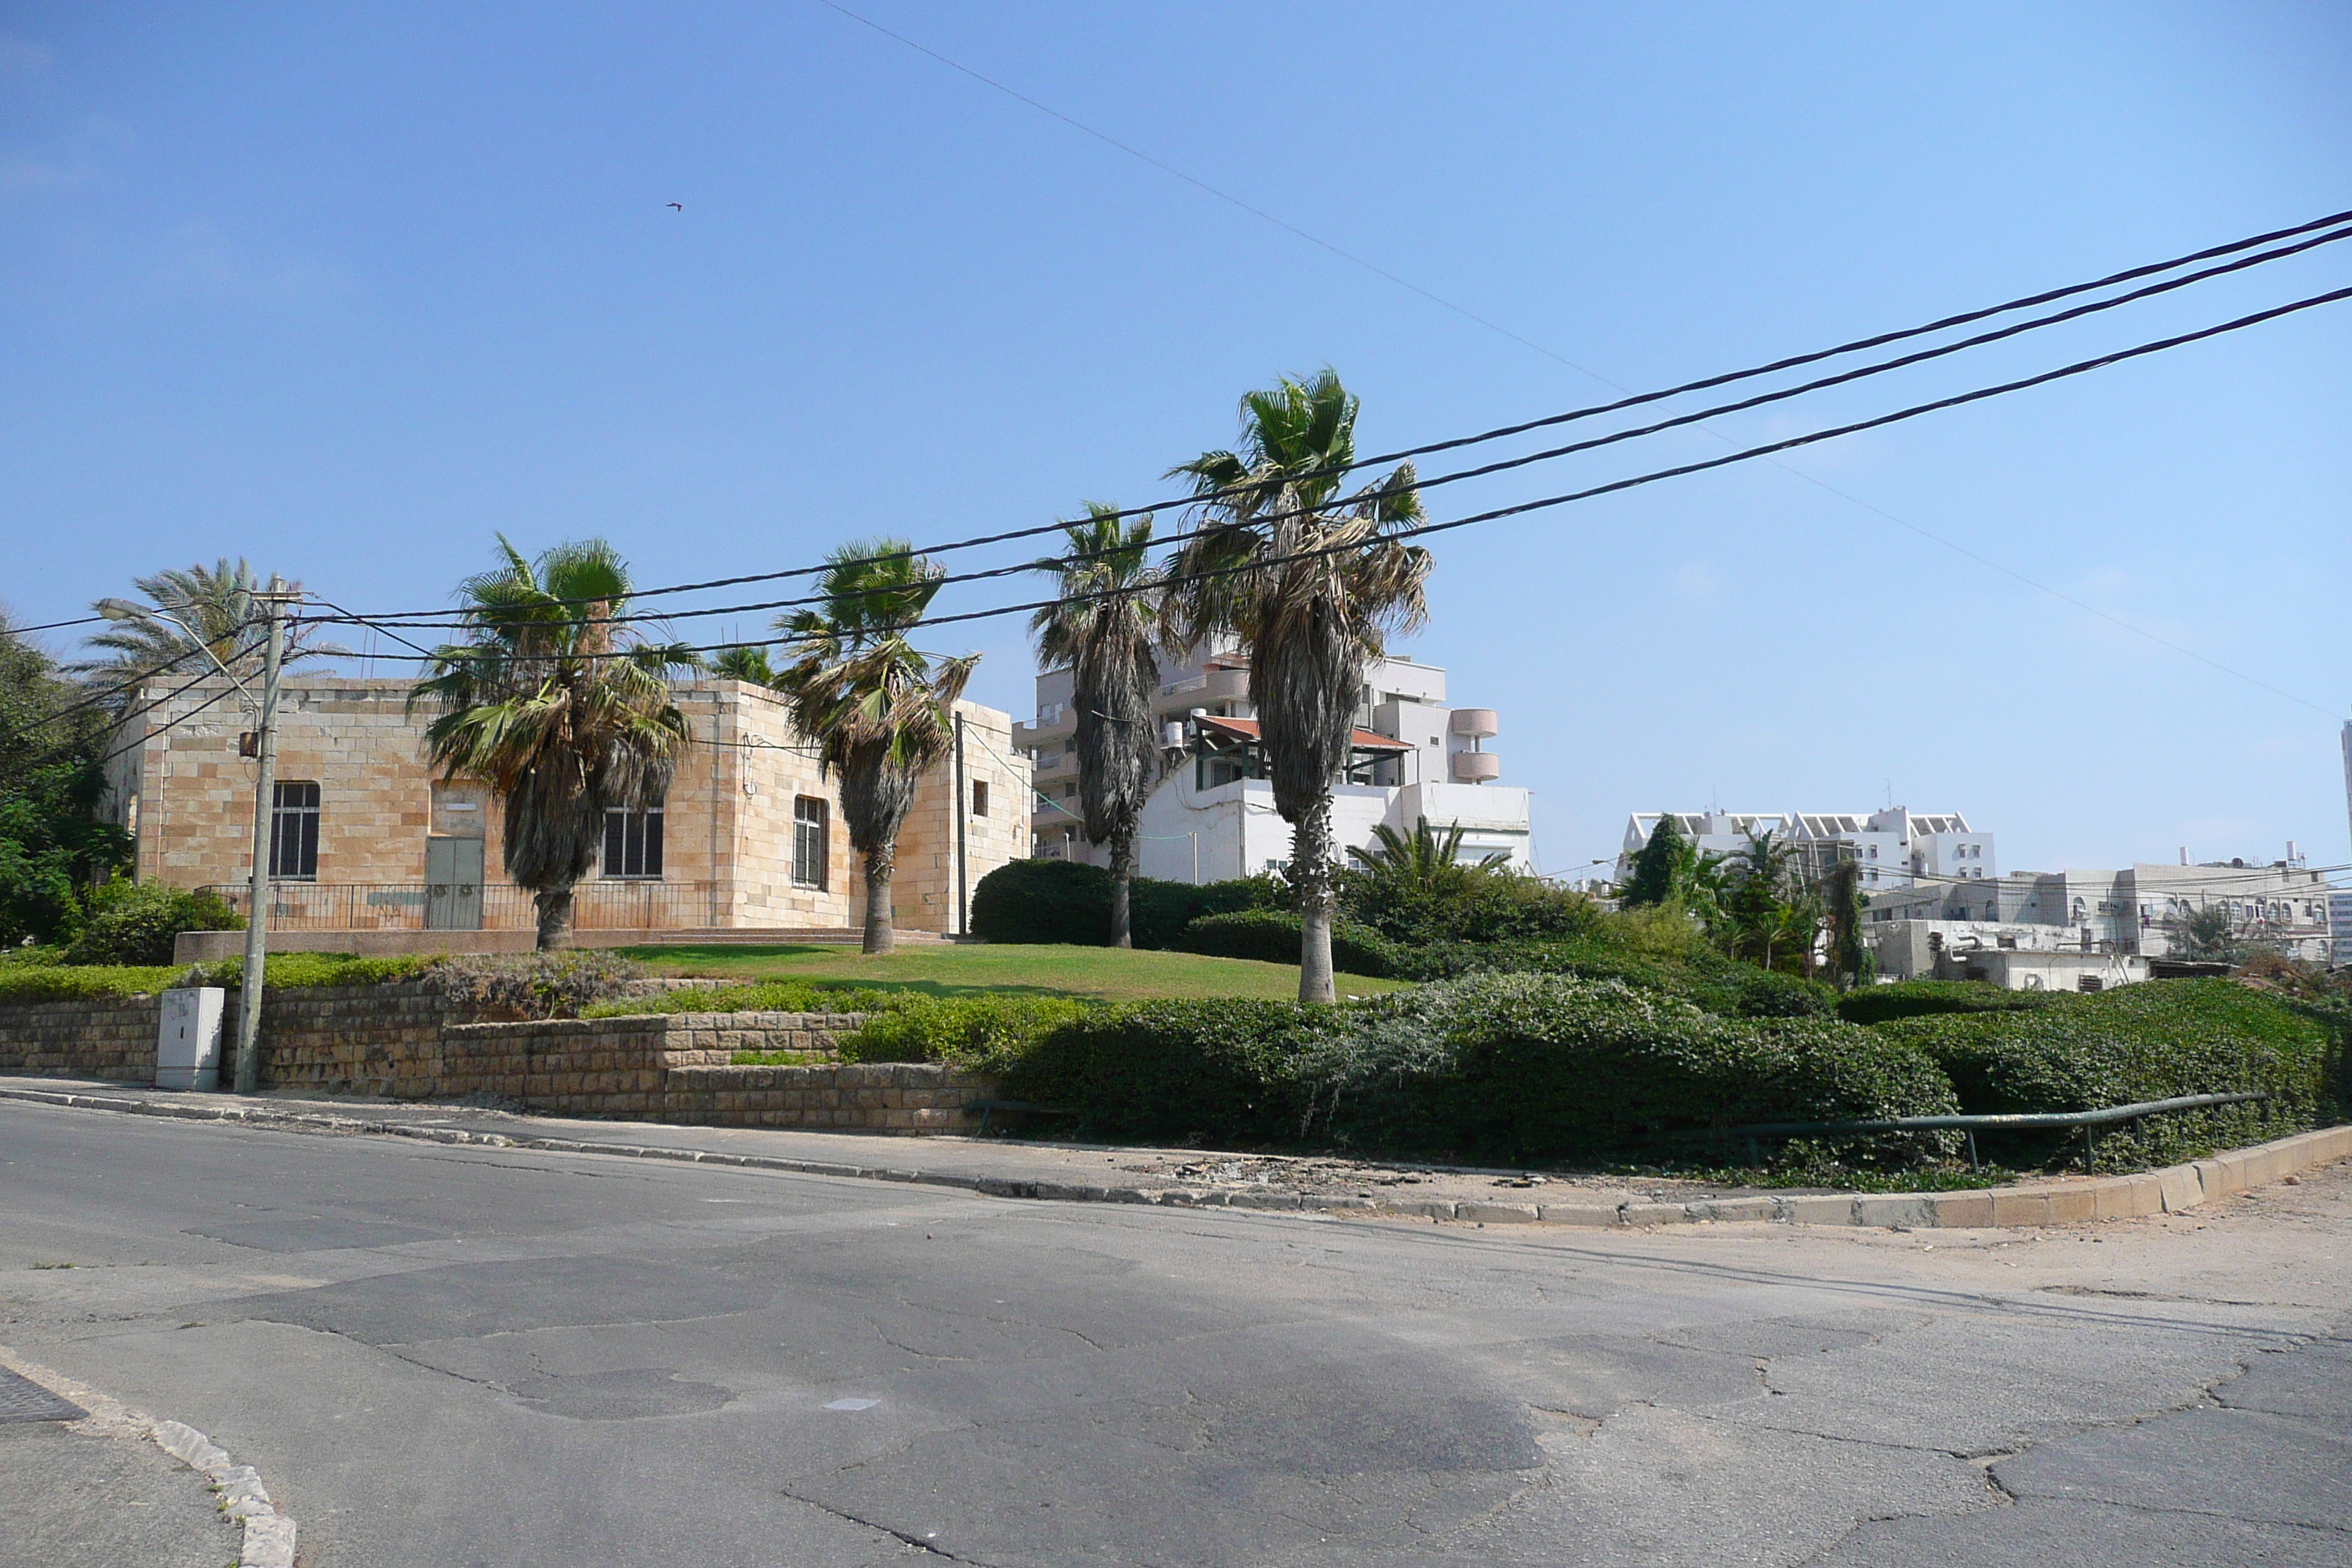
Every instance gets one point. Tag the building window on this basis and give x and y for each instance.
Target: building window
(633, 842)
(294, 830)
(810, 842)
(980, 797)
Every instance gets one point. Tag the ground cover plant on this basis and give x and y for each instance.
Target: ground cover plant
(2156, 1040)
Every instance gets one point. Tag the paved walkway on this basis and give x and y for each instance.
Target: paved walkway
(85, 1493)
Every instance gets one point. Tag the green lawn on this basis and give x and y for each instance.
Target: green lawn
(945, 970)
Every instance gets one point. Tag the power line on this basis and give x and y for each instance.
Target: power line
(1506, 464)
(1633, 400)
(1766, 450)
(1558, 358)
(49, 625)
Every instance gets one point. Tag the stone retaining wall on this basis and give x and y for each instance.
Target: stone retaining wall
(401, 1042)
(112, 1038)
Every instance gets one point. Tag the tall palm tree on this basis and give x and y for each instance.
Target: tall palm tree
(563, 713)
(879, 711)
(186, 612)
(1104, 635)
(1308, 627)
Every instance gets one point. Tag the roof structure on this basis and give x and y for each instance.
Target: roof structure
(1247, 729)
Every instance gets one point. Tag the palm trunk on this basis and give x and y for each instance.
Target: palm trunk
(881, 863)
(554, 917)
(1122, 876)
(1310, 869)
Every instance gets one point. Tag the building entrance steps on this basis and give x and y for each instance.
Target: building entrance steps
(1194, 1178)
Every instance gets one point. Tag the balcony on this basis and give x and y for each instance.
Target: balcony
(1474, 767)
(1475, 724)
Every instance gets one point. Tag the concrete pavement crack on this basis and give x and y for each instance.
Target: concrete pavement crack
(903, 1537)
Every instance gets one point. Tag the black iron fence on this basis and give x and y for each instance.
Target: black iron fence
(614, 905)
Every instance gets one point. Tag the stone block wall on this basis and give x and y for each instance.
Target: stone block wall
(400, 1042)
(113, 1038)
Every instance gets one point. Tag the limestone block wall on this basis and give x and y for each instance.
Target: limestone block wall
(112, 1038)
(874, 1097)
(379, 1040)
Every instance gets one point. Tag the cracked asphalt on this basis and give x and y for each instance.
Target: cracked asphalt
(482, 1356)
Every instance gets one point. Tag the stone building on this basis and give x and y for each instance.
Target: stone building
(370, 851)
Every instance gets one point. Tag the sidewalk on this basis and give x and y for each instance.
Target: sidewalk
(1198, 1178)
(85, 1491)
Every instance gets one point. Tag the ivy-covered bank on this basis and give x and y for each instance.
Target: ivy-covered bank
(1539, 1069)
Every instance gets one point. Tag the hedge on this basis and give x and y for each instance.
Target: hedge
(1274, 935)
(1518, 1068)
(2154, 1040)
(990, 1033)
(1067, 901)
(1924, 998)
(139, 924)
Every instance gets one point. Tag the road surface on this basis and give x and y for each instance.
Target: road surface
(465, 1356)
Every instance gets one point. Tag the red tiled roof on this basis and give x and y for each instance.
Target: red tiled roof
(1364, 740)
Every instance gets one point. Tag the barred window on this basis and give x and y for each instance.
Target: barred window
(810, 842)
(294, 830)
(633, 841)
(980, 797)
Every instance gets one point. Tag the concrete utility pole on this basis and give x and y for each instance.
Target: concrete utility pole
(963, 843)
(273, 601)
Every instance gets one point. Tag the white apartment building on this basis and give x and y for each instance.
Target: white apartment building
(2140, 911)
(1895, 847)
(1212, 815)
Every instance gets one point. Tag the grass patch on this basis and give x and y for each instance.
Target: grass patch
(779, 1059)
(1100, 974)
(27, 983)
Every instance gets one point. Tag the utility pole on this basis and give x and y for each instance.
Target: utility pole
(963, 849)
(273, 601)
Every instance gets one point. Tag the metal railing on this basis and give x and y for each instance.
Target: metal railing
(1996, 1122)
(602, 905)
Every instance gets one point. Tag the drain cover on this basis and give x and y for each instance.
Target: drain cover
(22, 1399)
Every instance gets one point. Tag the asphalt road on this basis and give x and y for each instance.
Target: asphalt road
(463, 1356)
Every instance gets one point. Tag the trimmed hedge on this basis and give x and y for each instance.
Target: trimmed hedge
(1517, 1068)
(1926, 998)
(1067, 901)
(990, 1033)
(753, 996)
(1274, 936)
(2150, 1041)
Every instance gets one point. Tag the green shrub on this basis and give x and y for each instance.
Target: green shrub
(290, 970)
(80, 982)
(1724, 986)
(990, 1033)
(137, 922)
(2152, 1041)
(1924, 998)
(757, 997)
(1274, 936)
(1067, 901)
(1522, 1069)
(1414, 904)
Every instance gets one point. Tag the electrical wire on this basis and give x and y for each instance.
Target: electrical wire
(1880, 339)
(50, 625)
(1485, 469)
(1392, 536)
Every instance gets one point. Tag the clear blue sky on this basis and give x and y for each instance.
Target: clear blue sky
(345, 289)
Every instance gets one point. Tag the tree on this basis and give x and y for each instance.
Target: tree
(565, 714)
(2209, 935)
(745, 663)
(187, 612)
(1309, 581)
(1662, 868)
(1103, 626)
(1759, 917)
(877, 710)
(1850, 959)
(51, 779)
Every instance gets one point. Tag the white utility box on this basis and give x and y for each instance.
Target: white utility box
(188, 1043)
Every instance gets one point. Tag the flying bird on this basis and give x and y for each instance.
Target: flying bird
(679, 207)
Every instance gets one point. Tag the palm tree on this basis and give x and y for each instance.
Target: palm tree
(745, 662)
(1309, 626)
(1103, 626)
(564, 714)
(187, 613)
(879, 711)
(1428, 859)
(1760, 914)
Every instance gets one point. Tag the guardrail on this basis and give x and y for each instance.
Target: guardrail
(450, 906)
(1995, 1122)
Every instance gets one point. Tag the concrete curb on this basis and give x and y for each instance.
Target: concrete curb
(2170, 1190)
(268, 1534)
